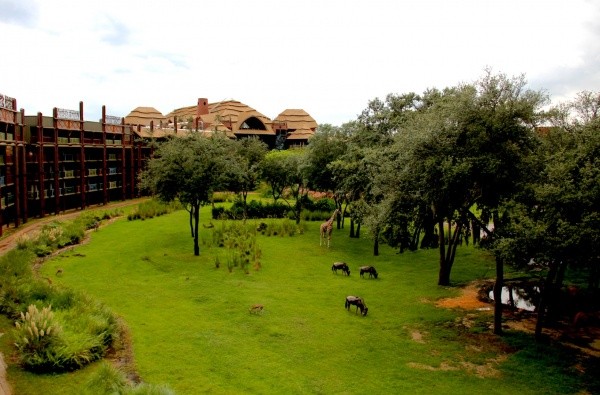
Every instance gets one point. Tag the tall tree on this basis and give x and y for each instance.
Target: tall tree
(286, 174)
(468, 145)
(188, 169)
(244, 176)
(557, 224)
(326, 146)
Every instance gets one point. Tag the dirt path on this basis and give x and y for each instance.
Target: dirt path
(9, 241)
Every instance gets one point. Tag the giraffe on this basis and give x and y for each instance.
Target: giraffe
(327, 228)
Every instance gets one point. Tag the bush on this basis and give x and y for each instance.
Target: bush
(78, 331)
(223, 197)
(109, 380)
(286, 227)
(38, 339)
(153, 208)
(255, 210)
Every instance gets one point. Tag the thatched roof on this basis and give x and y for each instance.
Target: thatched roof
(143, 116)
(182, 114)
(297, 119)
(229, 116)
(300, 134)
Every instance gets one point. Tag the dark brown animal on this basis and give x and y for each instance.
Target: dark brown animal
(358, 302)
(368, 269)
(340, 266)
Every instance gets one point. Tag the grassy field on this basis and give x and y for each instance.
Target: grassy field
(192, 329)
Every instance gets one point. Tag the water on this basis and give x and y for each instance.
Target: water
(521, 297)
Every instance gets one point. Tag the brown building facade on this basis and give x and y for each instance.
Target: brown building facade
(51, 164)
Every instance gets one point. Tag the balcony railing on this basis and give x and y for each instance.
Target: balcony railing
(113, 184)
(112, 170)
(67, 190)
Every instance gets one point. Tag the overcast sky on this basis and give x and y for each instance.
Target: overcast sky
(328, 57)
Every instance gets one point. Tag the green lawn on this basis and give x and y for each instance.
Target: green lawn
(192, 329)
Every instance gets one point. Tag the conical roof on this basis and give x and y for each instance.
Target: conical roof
(143, 116)
(182, 114)
(297, 119)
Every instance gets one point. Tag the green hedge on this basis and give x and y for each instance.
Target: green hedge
(313, 210)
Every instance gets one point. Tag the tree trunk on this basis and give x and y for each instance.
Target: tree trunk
(452, 245)
(498, 296)
(196, 210)
(544, 296)
(351, 227)
(192, 221)
(358, 230)
(444, 274)
(245, 199)
(429, 238)
(376, 245)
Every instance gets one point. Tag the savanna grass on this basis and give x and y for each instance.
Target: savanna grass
(192, 329)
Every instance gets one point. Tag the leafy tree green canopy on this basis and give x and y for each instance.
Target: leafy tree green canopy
(188, 169)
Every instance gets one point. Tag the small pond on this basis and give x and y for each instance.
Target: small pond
(521, 296)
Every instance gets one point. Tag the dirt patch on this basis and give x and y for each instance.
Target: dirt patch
(586, 340)
(4, 387)
(121, 353)
(468, 299)
(417, 336)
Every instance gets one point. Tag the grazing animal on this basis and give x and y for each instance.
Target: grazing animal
(59, 272)
(358, 302)
(327, 229)
(340, 266)
(256, 308)
(368, 269)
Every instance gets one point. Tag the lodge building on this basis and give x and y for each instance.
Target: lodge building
(51, 164)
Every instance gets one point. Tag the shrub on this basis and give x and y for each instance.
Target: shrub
(38, 339)
(153, 208)
(78, 331)
(325, 204)
(255, 210)
(223, 197)
(109, 380)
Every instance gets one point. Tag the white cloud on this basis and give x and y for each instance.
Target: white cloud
(327, 57)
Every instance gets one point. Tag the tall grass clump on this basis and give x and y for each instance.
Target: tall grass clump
(109, 380)
(16, 277)
(38, 339)
(153, 208)
(79, 330)
(223, 197)
(64, 340)
(239, 240)
(56, 234)
(281, 228)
